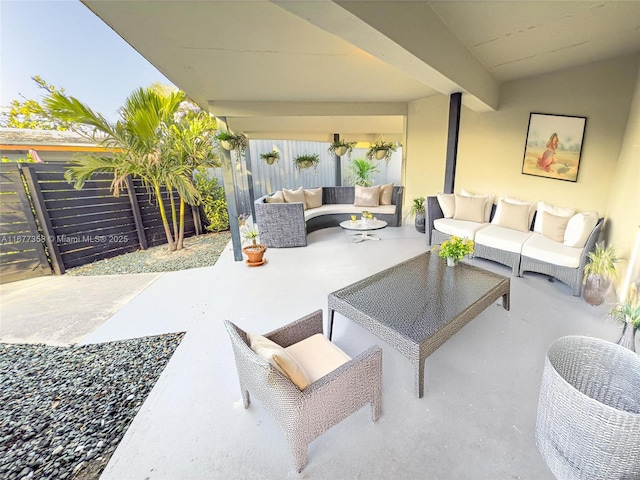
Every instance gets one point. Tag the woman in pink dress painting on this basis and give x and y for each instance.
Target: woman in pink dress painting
(546, 159)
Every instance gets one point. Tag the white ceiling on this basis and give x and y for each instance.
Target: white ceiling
(318, 67)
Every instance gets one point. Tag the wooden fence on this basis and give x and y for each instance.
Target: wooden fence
(76, 227)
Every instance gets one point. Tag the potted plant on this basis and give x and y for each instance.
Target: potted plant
(455, 248)
(270, 157)
(628, 312)
(360, 172)
(231, 142)
(340, 147)
(307, 160)
(418, 211)
(598, 273)
(381, 149)
(254, 251)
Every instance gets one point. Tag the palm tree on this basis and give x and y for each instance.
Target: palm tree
(360, 172)
(147, 142)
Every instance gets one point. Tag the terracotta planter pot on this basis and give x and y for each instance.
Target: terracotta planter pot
(255, 254)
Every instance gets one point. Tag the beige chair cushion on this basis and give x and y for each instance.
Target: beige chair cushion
(470, 209)
(554, 226)
(579, 227)
(487, 206)
(317, 356)
(513, 216)
(367, 196)
(386, 194)
(280, 359)
(277, 197)
(294, 196)
(313, 197)
(558, 211)
(447, 202)
(531, 205)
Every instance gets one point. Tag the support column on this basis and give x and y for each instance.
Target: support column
(338, 172)
(455, 104)
(230, 194)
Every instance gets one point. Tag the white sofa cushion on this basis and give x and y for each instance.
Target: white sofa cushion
(282, 360)
(459, 228)
(502, 238)
(336, 208)
(317, 356)
(543, 248)
(545, 207)
(447, 202)
(579, 228)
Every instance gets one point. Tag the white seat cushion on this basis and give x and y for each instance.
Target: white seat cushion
(459, 228)
(543, 248)
(317, 356)
(331, 208)
(502, 238)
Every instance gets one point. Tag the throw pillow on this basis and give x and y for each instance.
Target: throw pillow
(277, 197)
(554, 226)
(515, 201)
(487, 205)
(447, 203)
(470, 209)
(513, 216)
(367, 196)
(386, 194)
(294, 196)
(545, 207)
(313, 197)
(579, 227)
(280, 359)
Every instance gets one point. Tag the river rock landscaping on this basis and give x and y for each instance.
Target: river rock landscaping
(63, 410)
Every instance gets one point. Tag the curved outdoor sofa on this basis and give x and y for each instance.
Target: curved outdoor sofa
(287, 224)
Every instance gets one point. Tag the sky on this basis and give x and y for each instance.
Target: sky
(68, 46)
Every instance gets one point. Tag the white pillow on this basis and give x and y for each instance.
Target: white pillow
(294, 196)
(532, 209)
(367, 196)
(557, 211)
(313, 197)
(488, 202)
(280, 359)
(579, 228)
(447, 203)
(470, 209)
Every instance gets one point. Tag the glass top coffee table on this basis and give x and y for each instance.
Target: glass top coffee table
(417, 305)
(364, 228)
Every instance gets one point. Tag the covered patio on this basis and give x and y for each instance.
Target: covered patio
(476, 419)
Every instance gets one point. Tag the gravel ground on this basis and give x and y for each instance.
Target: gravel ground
(199, 251)
(63, 410)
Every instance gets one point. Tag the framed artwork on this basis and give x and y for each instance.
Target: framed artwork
(553, 146)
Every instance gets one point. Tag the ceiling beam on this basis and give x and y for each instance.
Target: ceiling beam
(313, 109)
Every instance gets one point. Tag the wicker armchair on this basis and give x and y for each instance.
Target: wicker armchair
(305, 414)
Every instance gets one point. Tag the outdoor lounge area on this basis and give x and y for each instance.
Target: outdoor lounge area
(476, 419)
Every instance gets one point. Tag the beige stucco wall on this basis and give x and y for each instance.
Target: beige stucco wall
(491, 145)
(623, 212)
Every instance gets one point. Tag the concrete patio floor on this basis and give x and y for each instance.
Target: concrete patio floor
(476, 420)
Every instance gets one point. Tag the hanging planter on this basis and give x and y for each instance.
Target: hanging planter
(340, 147)
(302, 162)
(270, 157)
(381, 149)
(231, 142)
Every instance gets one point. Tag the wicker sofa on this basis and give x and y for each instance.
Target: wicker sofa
(287, 224)
(524, 250)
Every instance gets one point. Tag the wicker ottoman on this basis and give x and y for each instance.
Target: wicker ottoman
(588, 423)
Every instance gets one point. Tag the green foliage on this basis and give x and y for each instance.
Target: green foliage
(339, 144)
(28, 159)
(213, 203)
(307, 160)
(417, 206)
(602, 262)
(237, 142)
(29, 113)
(629, 310)
(270, 157)
(456, 248)
(381, 146)
(360, 172)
